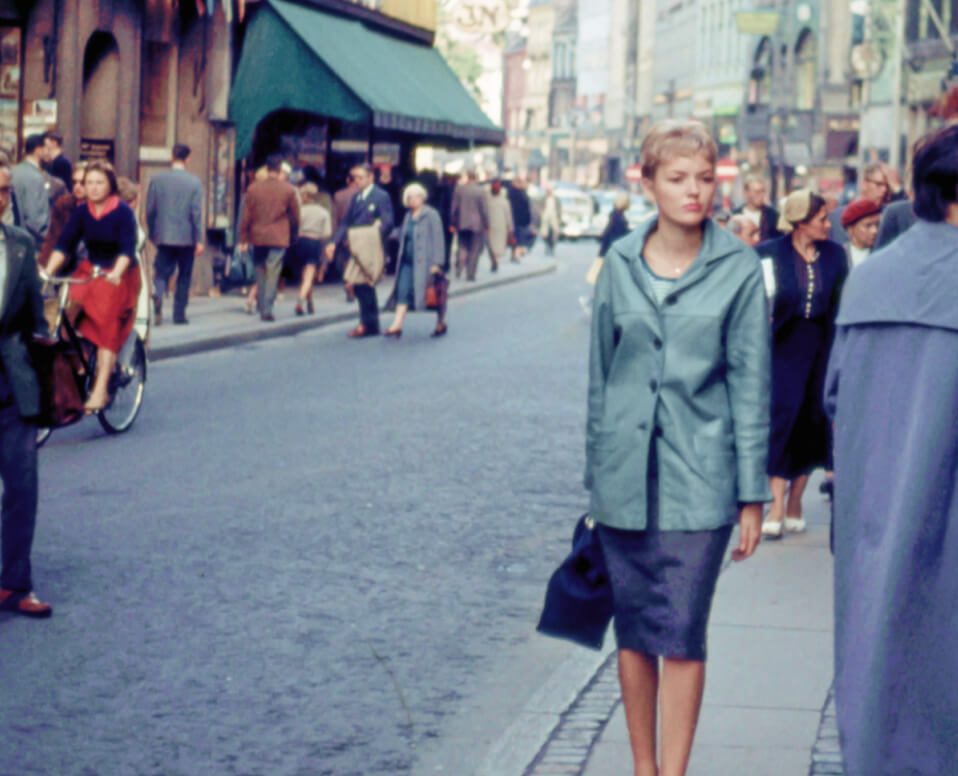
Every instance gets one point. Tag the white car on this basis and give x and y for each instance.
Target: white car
(576, 215)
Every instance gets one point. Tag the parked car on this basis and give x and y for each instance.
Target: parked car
(577, 210)
(639, 210)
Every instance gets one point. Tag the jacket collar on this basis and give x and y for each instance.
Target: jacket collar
(717, 244)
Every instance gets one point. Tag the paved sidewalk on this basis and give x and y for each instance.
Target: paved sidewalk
(767, 709)
(220, 322)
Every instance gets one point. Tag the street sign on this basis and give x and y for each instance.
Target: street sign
(726, 170)
(482, 17)
(757, 22)
(633, 173)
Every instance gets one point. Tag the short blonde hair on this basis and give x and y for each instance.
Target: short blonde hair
(670, 138)
(621, 201)
(309, 192)
(414, 190)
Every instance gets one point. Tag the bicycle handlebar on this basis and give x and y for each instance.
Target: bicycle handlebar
(98, 272)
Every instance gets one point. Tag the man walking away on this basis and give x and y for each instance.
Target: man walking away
(369, 205)
(890, 392)
(521, 217)
(57, 164)
(470, 220)
(270, 222)
(501, 228)
(30, 190)
(21, 316)
(174, 219)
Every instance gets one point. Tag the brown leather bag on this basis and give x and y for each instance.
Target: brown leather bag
(59, 370)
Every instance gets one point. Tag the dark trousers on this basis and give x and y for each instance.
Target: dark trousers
(470, 246)
(170, 258)
(18, 471)
(368, 307)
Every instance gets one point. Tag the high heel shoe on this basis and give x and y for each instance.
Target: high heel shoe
(397, 334)
(299, 309)
(309, 307)
(439, 330)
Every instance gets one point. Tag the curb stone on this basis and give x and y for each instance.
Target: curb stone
(827, 754)
(567, 750)
(290, 328)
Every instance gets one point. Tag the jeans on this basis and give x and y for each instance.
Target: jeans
(18, 471)
(170, 258)
(269, 263)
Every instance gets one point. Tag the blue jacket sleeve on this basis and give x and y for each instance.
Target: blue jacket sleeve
(601, 351)
(748, 376)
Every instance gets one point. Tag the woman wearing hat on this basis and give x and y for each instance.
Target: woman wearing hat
(860, 220)
(807, 272)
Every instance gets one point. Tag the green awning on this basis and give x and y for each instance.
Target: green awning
(303, 59)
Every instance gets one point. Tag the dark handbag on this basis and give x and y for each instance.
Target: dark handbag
(436, 291)
(578, 603)
(61, 391)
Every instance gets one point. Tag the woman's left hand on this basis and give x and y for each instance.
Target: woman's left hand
(113, 277)
(750, 531)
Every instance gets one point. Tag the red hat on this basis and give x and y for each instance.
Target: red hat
(859, 209)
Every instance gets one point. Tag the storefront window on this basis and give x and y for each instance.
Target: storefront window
(9, 90)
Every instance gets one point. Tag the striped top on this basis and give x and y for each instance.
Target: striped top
(660, 286)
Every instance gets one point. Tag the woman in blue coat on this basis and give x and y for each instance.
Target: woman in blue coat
(892, 386)
(677, 433)
(808, 272)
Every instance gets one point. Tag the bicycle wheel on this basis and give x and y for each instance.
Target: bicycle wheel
(127, 384)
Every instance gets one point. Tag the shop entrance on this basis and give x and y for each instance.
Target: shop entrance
(101, 74)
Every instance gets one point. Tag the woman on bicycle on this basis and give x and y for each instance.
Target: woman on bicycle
(107, 227)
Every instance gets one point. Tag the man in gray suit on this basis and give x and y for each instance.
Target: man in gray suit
(31, 191)
(469, 217)
(174, 218)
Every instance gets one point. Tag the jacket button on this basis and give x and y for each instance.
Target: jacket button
(654, 385)
(643, 426)
(657, 431)
(657, 343)
(671, 299)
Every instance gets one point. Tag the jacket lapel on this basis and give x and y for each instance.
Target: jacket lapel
(15, 255)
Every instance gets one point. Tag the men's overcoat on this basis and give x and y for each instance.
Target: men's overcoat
(690, 375)
(892, 390)
(21, 315)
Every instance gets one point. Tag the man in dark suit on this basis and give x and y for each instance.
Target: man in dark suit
(21, 319)
(57, 164)
(469, 218)
(174, 219)
(369, 204)
(757, 210)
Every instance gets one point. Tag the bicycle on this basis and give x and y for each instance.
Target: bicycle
(128, 381)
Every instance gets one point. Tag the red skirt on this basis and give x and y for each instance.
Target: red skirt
(109, 311)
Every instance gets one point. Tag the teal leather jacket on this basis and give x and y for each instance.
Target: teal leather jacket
(691, 376)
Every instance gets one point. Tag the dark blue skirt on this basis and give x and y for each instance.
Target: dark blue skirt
(663, 583)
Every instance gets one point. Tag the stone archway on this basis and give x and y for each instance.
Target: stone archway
(100, 103)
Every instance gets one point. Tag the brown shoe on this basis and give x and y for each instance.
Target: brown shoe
(26, 604)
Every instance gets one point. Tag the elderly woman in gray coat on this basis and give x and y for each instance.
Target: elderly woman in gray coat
(422, 252)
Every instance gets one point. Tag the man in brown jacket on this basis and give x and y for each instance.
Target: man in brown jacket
(269, 223)
(470, 218)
